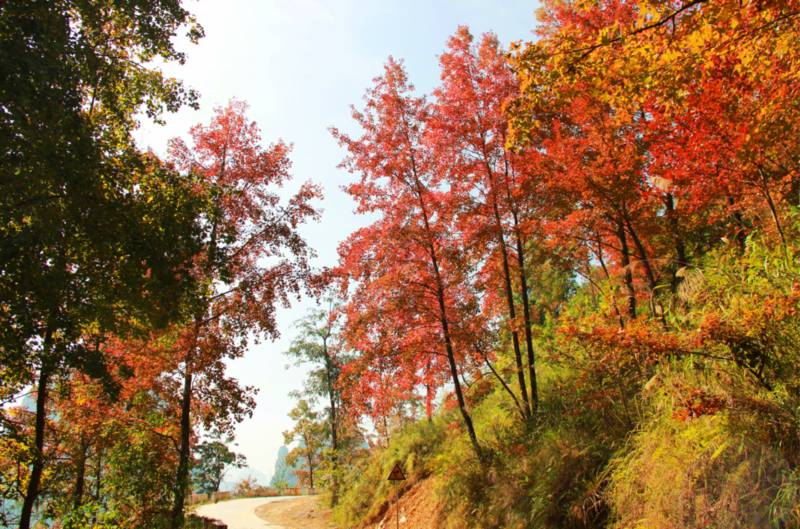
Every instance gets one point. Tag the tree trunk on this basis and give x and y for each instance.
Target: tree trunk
(451, 359)
(98, 480)
(523, 286)
(625, 261)
(185, 450)
(34, 482)
(429, 402)
(333, 418)
(526, 312)
(80, 473)
(512, 312)
(494, 372)
(608, 277)
(741, 234)
(309, 458)
(440, 297)
(652, 282)
(680, 245)
(643, 257)
(182, 474)
(773, 209)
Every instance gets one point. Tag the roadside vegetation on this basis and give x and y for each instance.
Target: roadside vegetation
(573, 303)
(577, 305)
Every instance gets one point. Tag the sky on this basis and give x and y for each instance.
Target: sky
(301, 64)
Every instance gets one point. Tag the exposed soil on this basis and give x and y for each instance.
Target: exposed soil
(418, 509)
(304, 512)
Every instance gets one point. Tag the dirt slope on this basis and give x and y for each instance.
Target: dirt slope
(304, 512)
(418, 509)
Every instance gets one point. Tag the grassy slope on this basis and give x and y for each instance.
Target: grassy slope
(645, 429)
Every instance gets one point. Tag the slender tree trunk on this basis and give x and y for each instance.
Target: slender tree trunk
(451, 357)
(34, 482)
(643, 257)
(440, 297)
(608, 277)
(526, 312)
(512, 312)
(503, 383)
(334, 433)
(331, 381)
(37, 466)
(741, 234)
(773, 209)
(451, 360)
(309, 458)
(182, 474)
(523, 287)
(98, 475)
(680, 245)
(625, 261)
(185, 450)
(80, 473)
(334, 420)
(652, 282)
(429, 402)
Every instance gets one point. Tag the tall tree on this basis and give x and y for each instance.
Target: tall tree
(92, 232)
(318, 343)
(468, 128)
(308, 438)
(253, 258)
(407, 260)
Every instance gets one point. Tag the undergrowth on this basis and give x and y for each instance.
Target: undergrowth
(694, 424)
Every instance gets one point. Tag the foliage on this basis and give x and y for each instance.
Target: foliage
(97, 237)
(126, 281)
(245, 486)
(308, 438)
(213, 458)
(627, 182)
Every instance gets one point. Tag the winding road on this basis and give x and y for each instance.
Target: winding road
(240, 514)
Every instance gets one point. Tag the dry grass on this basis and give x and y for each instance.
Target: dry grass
(304, 512)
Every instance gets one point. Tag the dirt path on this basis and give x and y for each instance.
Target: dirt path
(305, 512)
(240, 514)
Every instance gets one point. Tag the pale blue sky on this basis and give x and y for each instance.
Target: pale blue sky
(300, 64)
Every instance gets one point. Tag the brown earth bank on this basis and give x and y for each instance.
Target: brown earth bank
(304, 512)
(418, 509)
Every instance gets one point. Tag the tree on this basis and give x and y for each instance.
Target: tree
(318, 343)
(468, 129)
(252, 259)
(245, 486)
(81, 232)
(308, 436)
(94, 234)
(406, 263)
(213, 458)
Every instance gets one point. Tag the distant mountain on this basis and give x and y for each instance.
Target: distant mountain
(283, 473)
(235, 475)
